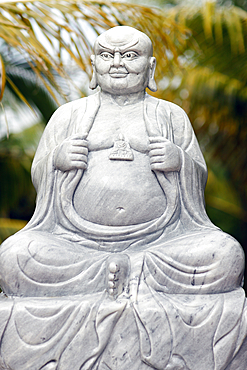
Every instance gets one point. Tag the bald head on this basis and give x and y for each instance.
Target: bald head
(124, 37)
(123, 61)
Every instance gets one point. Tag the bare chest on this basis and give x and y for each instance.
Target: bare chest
(112, 123)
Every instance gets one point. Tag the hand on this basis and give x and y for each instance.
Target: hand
(164, 155)
(72, 153)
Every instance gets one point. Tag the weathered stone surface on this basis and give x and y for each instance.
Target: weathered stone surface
(120, 267)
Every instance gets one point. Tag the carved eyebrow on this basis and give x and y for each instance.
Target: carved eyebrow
(105, 48)
(122, 50)
(129, 46)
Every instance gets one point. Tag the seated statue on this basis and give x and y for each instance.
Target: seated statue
(121, 234)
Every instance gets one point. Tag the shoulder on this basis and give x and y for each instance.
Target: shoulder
(59, 124)
(165, 106)
(75, 108)
(66, 114)
(171, 114)
(67, 108)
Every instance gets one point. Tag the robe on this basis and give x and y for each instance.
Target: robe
(183, 272)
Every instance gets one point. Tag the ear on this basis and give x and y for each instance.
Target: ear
(93, 83)
(151, 82)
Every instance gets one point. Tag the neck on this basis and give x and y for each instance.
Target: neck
(123, 99)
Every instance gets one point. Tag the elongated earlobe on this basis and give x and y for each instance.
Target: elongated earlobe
(152, 85)
(93, 83)
(151, 82)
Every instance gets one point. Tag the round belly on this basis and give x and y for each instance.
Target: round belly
(118, 193)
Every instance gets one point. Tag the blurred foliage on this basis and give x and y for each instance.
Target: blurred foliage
(239, 3)
(23, 83)
(9, 227)
(17, 192)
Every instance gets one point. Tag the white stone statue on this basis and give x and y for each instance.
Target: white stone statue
(120, 267)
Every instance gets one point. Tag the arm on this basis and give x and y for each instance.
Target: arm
(193, 171)
(164, 155)
(72, 153)
(167, 151)
(56, 150)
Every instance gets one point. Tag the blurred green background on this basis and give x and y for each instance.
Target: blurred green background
(201, 65)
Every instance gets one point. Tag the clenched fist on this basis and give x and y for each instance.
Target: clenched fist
(72, 153)
(164, 155)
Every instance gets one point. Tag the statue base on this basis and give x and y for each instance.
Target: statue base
(157, 331)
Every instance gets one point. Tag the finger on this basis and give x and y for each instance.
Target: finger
(79, 150)
(155, 152)
(79, 142)
(157, 166)
(157, 145)
(78, 158)
(79, 165)
(157, 160)
(157, 139)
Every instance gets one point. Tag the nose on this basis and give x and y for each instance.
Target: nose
(117, 60)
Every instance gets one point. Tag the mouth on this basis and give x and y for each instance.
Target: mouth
(118, 74)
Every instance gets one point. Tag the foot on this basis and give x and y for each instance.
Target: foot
(117, 275)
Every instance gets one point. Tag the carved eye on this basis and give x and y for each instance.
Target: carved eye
(106, 56)
(130, 55)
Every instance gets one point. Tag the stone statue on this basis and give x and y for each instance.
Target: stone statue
(120, 267)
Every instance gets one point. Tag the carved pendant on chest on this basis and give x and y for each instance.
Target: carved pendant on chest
(121, 150)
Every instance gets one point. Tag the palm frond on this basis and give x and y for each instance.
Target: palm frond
(52, 34)
(31, 90)
(214, 20)
(2, 78)
(206, 85)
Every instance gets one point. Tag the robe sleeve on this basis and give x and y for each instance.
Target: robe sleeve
(55, 132)
(62, 124)
(192, 177)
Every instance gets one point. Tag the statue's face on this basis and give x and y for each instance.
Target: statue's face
(122, 61)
